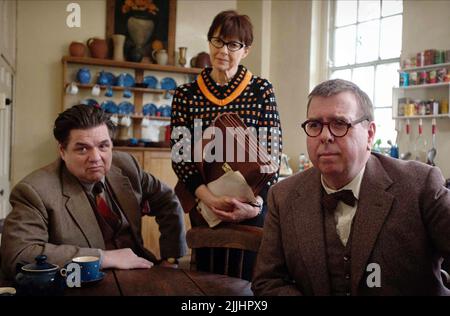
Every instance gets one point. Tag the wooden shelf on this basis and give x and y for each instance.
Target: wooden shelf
(128, 64)
(427, 85)
(416, 117)
(117, 88)
(140, 117)
(427, 67)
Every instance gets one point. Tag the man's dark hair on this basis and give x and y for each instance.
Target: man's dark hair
(80, 116)
(332, 87)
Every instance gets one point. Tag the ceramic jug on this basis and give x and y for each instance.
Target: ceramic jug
(160, 56)
(98, 47)
(77, 49)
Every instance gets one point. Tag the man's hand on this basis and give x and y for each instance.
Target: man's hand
(124, 259)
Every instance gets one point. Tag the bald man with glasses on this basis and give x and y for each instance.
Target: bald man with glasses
(357, 223)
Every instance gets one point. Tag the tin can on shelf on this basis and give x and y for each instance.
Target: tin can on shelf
(439, 57)
(435, 107)
(422, 108)
(413, 79)
(441, 74)
(404, 79)
(420, 59)
(423, 75)
(432, 77)
(444, 106)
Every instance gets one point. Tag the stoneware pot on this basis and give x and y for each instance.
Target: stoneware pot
(77, 49)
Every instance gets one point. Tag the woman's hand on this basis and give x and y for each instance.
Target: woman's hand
(212, 201)
(241, 211)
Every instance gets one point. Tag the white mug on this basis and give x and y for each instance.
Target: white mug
(72, 88)
(95, 90)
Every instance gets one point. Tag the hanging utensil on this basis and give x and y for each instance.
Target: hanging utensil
(408, 154)
(431, 155)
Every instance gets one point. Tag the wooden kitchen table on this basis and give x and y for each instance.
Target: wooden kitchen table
(160, 281)
(179, 282)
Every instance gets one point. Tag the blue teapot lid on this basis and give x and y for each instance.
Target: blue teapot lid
(41, 265)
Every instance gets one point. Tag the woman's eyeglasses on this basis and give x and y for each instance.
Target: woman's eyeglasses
(232, 46)
(337, 128)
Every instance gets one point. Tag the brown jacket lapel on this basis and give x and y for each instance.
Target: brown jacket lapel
(373, 207)
(307, 218)
(80, 209)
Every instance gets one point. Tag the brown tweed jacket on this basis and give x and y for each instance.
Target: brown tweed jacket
(52, 215)
(402, 223)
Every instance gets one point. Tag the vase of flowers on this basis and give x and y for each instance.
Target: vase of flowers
(140, 26)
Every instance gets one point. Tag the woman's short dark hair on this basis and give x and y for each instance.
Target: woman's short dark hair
(80, 116)
(232, 24)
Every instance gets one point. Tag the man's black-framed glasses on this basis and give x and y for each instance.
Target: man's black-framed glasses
(232, 46)
(337, 128)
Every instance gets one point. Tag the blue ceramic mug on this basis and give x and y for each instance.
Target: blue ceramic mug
(89, 267)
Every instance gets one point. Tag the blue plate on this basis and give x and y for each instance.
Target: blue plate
(126, 108)
(125, 80)
(91, 102)
(106, 78)
(100, 277)
(149, 109)
(110, 107)
(168, 83)
(151, 82)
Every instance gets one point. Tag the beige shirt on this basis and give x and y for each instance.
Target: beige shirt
(344, 213)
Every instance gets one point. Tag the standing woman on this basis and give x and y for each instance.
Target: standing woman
(226, 87)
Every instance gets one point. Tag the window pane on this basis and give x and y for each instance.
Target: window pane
(390, 7)
(391, 37)
(345, 74)
(386, 77)
(345, 12)
(344, 46)
(363, 77)
(368, 10)
(367, 45)
(385, 126)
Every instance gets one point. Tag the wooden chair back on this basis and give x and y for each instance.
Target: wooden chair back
(228, 237)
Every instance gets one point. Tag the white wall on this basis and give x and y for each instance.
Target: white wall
(289, 70)
(42, 39)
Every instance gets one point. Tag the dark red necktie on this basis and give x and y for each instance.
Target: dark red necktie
(102, 207)
(330, 201)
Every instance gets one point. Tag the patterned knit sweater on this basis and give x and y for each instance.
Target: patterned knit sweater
(255, 105)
